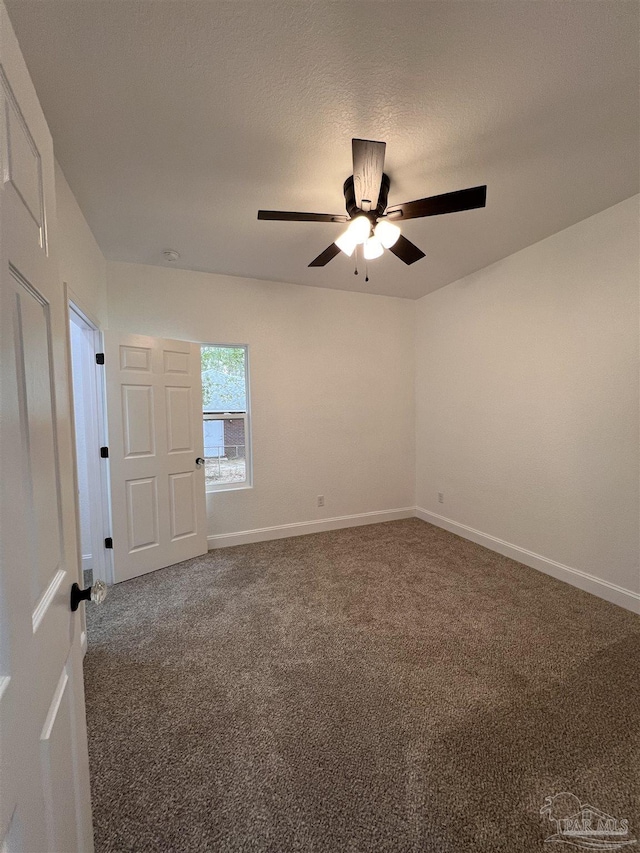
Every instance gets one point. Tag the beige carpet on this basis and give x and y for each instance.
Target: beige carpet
(383, 688)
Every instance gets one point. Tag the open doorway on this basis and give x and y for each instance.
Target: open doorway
(89, 418)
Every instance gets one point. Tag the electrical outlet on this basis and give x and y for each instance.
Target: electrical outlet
(320, 500)
(440, 497)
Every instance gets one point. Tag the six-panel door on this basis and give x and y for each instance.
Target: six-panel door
(154, 408)
(44, 768)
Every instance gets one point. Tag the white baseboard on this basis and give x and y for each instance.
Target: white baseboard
(589, 583)
(300, 528)
(575, 577)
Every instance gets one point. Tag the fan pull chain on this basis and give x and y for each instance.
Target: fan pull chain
(366, 271)
(355, 254)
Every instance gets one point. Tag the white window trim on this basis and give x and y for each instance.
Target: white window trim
(247, 483)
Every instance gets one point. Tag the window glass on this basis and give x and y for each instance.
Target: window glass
(225, 416)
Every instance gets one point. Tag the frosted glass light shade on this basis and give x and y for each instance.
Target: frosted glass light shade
(359, 228)
(372, 248)
(346, 242)
(387, 233)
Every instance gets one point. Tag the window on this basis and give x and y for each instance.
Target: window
(225, 414)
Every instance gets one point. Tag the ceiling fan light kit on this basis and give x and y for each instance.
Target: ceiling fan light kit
(347, 242)
(358, 232)
(365, 194)
(387, 233)
(360, 228)
(373, 248)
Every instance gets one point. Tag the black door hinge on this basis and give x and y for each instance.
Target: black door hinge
(104, 452)
(108, 542)
(99, 358)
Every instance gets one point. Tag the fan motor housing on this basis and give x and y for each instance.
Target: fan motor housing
(350, 199)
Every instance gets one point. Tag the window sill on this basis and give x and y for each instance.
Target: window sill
(216, 490)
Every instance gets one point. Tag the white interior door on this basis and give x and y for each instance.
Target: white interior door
(154, 414)
(44, 769)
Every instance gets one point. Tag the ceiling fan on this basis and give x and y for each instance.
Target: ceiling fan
(371, 223)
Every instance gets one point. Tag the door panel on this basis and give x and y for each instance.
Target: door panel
(179, 420)
(23, 164)
(154, 410)
(137, 413)
(44, 772)
(56, 741)
(37, 425)
(142, 513)
(176, 362)
(135, 358)
(182, 504)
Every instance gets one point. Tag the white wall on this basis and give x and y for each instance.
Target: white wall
(82, 264)
(525, 399)
(332, 387)
(527, 402)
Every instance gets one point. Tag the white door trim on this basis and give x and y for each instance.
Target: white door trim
(99, 498)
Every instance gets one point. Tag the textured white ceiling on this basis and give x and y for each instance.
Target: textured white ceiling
(175, 121)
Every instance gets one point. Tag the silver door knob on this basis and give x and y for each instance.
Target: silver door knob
(199, 461)
(96, 593)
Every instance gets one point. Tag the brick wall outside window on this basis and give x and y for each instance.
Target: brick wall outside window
(233, 436)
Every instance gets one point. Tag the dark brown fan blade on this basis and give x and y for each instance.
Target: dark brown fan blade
(406, 250)
(435, 205)
(368, 165)
(290, 216)
(323, 259)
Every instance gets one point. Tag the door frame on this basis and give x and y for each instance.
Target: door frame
(99, 498)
